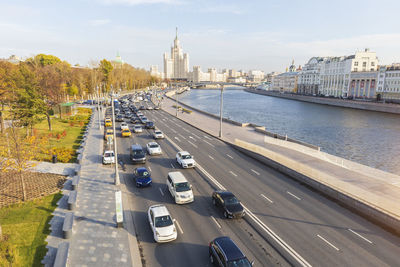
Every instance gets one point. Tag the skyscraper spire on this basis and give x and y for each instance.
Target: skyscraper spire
(176, 33)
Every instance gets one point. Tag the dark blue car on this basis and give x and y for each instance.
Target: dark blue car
(142, 177)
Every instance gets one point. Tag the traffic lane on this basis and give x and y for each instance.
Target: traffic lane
(191, 246)
(349, 230)
(253, 245)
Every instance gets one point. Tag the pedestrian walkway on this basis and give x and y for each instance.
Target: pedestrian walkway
(67, 169)
(375, 188)
(96, 241)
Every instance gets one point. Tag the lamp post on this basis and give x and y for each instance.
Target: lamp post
(176, 105)
(117, 182)
(220, 112)
(98, 106)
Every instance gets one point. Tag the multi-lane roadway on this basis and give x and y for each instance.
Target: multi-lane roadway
(287, 223)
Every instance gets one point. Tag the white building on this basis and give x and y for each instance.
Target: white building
(176, 66)
(256, 76)
(287, 81)
(308, 80)
(389, 83)
(336, 71)
(154, 72)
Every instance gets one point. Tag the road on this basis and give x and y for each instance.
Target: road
(317, 229)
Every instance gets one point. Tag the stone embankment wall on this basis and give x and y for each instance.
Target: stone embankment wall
(354, 104)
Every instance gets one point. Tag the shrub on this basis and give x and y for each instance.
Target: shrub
(71, 123)
(64, 133)
(63, 154)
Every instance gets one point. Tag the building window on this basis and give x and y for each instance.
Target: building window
(355, 69)
(355, 63)
(364, 64)
(372, 64)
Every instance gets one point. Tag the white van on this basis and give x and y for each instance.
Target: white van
(180, 188)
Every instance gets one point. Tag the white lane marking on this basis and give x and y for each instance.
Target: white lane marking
(328, 242)
(172, 130)
(186, 130)
(192, 144)
(198, 137)
(191, 137)
(212, 217)
(360, 236)
(255, 172)
(293, 195)
(266, 198)
(210, 157)
(149, 168)
(234, 174)
(179, 226)
(162, 193)
(182, 136)
(266, 229)
(177, 139)
(208, 143)
(205, 136)
(172, 165)
(229, 156)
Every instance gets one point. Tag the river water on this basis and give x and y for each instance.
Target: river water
(369, 138)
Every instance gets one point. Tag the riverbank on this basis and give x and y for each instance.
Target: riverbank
(369, 192)
(353, 104)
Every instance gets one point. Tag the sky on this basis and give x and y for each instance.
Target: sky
(248, 35)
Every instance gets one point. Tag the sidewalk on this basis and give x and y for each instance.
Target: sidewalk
(358, 181)
(96, 241)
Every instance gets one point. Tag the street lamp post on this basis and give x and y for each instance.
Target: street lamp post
(98, 106)
(117, 182)
(176, 105)
(220, 112)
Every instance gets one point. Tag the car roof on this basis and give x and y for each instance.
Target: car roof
(159, 131)
(108, 151)
(109, 130)
(184, 153)
(229, 248)
(153, 143)
(142, 169)
(159, 210)
(225, 193)
(177, 177)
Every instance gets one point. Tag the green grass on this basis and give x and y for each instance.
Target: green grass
(27, 225)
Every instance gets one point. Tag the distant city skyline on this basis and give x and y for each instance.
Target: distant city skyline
(258, 34)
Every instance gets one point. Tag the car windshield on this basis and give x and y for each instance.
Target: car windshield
(186, 157)
(138, 127)
(239, 263)
(143, 173)
(138, 153)
(109, 154)
(125, 130)
(231, 200)
(153, 146)
(163, 221)
(158, 132)
(182, 187)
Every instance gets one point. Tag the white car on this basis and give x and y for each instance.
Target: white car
(153, 148)
(108, 157)
(180, 188)
(161, 223)
(137, 129)
(124, 125)
(184, 159)
(158, 134)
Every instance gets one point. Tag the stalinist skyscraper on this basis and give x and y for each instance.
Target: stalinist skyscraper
(176, 66)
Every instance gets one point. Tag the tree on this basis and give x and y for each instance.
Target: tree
(73, 90)
(45, 60)
(7, 86)
(106, 68)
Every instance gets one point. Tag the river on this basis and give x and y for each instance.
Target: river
(366, 137)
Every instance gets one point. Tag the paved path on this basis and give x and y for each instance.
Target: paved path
(67, 169)
(382, 191)
(96, 241)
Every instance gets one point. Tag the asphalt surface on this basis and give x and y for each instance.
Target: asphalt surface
(321, 232)
(198, 223)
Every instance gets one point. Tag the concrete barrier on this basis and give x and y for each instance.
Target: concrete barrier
(75, 182)
(310, 176)
(118, 209)
(72, 199)
(67, 226)
(62, 255)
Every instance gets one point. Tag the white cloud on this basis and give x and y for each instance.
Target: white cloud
(99, 22)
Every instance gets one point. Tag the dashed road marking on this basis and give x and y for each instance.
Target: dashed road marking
(266, 198)
(172, 165)
(216, 222)
(229, 156)
(360, 236)
(198, 137)
(182, 136)
(234, 174)
(179, 226)
(162, 193)
(255, 172)
(149, 168)
(205, 136)
(329, 243)
(192, 144)
(210, 157)
(293, 195)
(177, 139)
(191, 137)
(208, 143)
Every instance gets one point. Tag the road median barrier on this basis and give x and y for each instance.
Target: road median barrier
(62, 255)
(72, 199)
(67, 225)
(118, 209)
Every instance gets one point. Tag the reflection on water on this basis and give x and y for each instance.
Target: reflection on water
(370, 138)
